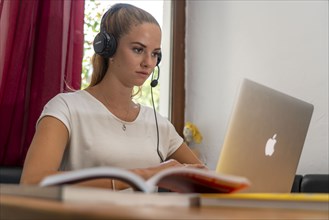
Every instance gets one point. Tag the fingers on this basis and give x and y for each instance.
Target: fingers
(199, 166)
(175, 163)
(171, 163)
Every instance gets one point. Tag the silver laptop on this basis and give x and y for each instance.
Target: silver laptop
(265, 138)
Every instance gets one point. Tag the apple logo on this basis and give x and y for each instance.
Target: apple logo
(269, 148)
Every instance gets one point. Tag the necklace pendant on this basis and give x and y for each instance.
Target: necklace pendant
(124, 127)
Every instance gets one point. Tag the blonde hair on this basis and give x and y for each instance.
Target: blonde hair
(118, 21)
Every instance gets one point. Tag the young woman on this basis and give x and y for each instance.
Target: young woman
(102, 125)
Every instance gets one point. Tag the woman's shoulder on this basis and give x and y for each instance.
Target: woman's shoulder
(74, 94)
(146, 110)
(149, 112)
(79, 94)
(69, 98)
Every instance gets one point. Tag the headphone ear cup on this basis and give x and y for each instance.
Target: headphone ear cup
(159, 58)
(105, 44)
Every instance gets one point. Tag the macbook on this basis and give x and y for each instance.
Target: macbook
(265, 138)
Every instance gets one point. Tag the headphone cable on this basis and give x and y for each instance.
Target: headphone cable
(156, 124)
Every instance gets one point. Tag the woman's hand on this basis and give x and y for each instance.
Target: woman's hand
(146, 173)
(149, 172)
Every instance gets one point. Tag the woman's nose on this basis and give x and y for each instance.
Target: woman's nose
(147, 61)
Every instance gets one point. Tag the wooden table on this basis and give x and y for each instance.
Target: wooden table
(14, 207)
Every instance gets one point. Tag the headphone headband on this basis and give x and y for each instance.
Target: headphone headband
(111, 11)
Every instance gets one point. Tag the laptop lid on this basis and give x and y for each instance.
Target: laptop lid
(265, 137)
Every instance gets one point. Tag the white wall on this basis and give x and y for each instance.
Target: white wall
(282, 44)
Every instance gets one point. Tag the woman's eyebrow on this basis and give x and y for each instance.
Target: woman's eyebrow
(144, 46)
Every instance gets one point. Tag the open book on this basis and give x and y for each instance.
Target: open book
(181, 180)
(93, 195)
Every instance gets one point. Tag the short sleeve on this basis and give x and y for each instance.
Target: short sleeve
(57, 107)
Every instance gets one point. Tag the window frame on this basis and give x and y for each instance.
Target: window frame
(177, 114)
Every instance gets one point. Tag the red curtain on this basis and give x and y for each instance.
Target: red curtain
(41, 49)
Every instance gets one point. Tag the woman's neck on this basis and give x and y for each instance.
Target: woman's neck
(117, 100)
(115, 93)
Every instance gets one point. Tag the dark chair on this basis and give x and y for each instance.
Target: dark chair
(10, 174)
(315, 183)
(296, 184)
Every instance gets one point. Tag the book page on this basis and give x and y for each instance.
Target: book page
(187, 180)
(75, 176)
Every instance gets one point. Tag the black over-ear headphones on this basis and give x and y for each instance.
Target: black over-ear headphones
(105, 43)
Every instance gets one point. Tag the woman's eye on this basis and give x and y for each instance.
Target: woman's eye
(138, 50)
(155, 54)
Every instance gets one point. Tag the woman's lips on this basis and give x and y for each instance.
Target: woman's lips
(145, 74)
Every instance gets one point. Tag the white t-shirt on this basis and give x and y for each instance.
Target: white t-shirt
(96, 137)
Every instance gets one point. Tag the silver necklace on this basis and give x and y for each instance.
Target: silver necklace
(123, 127)
(122, 121)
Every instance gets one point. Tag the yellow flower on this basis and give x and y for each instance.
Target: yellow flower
(191, 132)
